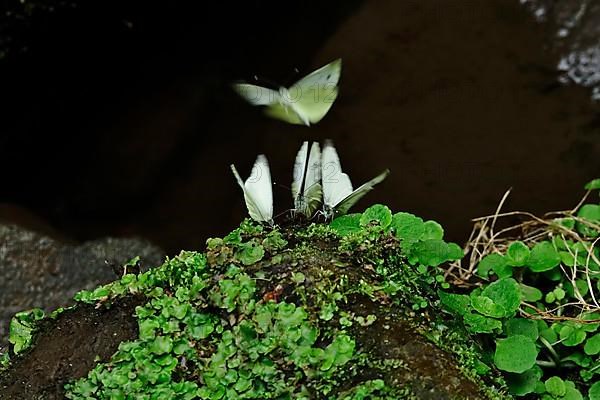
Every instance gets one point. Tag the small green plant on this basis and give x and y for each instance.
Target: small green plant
(22, 327)
(534, 293)
(216, 326)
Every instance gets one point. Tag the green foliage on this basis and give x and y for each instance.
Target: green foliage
(211, 330)
(530, 305)
(543, 257)
(248, 359)
(22, 327)
(420, 240)
(347, 224)
(379, 214)
(515, 353)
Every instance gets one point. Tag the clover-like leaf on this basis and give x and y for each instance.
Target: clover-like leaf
(572, 334)
(593, 184)
(433, 231)
(555, 386)
(522, 326)
(524, 383)
(432, 252)
(592, 345)
(515, 354)
(378, 213)
(589, 212)
(594, 393)
(504, 292)
(490, 263)
(571, 392)
(455, 303)
(250, 253)
(517, 253)
(543, 257)
(478, 323)
(530, 293)
(487, 307)
(346, 224)
(407, 227)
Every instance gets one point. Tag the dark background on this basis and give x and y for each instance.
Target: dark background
(117, 118)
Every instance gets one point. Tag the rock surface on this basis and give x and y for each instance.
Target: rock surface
(574, 33)
(38, 271)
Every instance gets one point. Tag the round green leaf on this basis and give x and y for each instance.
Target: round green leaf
(378, 213)
(504, 292)
(491, 262)
(555, 386)
(346, 224)
(250, 253)
(525, 383)
(477, 323)
(522, 326)
(515, 354)
(572, 334)
(433, 231)
(487, 307)
(594, 393)
(593, 184)
(455, 303)
(590, 212)
(530, 293)
(431, 252)
(572, 393)
(543, 257)
(517, 253)
(455, 252)
(592, 345)
(407, 227)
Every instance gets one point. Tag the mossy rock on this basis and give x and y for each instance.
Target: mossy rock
(341, 311)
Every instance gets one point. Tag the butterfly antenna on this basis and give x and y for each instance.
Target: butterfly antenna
(290, 210)
(283, 186)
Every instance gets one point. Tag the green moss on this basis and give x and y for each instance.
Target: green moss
(341, 311)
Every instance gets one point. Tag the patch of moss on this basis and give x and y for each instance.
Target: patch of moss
(341, 311)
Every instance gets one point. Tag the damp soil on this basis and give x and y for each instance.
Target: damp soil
(67, 348)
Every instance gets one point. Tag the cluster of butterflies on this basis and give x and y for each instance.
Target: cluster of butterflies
(319, 185)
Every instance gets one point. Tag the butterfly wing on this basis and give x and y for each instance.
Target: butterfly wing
(258, 193)
(343, 206)
(257, 95)
(312, 192)
(299, 171)
(336, 184)
(312, 96)
(284, 112)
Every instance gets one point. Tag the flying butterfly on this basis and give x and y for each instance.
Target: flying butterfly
(338, 195)
(306, 186)
(258, 192)
(306, 102)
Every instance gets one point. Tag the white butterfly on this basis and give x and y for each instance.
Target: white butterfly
(258, 192)
(305, 102)
(306, 186)
(338, 195)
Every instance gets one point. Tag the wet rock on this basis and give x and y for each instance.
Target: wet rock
(38, 271)
(574, 27)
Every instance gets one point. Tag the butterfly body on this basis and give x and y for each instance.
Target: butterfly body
(338, 194)
(306, 102)
(258, 192)
(306, 186)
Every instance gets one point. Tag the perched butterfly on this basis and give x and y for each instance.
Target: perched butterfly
(258, 192)
(338, 196)
(306, 186)
(305, 102)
